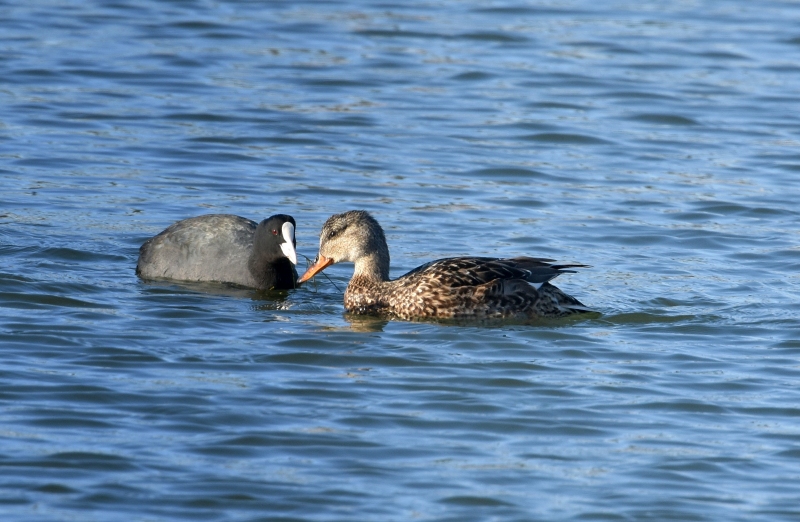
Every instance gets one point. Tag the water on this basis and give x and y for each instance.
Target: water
(659, 143)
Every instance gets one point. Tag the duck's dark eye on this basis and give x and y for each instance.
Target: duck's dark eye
(274, 232)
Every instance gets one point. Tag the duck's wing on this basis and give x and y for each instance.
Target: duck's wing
(540, 270)
(473, 271)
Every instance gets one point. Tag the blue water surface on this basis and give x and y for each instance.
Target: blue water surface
(657, 142)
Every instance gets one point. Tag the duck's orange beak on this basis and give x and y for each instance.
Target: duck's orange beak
(319, 266)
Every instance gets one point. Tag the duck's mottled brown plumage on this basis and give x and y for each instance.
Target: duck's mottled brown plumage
(469, 288)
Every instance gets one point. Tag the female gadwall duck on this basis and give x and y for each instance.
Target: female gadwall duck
(467, 288)
(225, 249)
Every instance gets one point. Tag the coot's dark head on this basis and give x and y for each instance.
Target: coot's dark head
(274, 238)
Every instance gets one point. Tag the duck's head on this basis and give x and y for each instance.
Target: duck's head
(353, 236)
(274, 237)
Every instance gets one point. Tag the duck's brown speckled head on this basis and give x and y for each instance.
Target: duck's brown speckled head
(353, 236)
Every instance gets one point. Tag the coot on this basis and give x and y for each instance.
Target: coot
(224, 248)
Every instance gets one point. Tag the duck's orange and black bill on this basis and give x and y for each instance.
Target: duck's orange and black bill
(319, 266)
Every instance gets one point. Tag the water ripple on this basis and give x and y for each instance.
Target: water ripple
(657, 144)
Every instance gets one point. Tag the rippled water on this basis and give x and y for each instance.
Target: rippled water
(659, 143)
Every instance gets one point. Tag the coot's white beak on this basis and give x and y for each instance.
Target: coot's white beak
(287, 247)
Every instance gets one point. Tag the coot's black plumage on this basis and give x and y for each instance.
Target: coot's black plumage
(224, 248)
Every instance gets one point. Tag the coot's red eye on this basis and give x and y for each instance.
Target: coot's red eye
(274, 232)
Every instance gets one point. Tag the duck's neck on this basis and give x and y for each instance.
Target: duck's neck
(373, 267)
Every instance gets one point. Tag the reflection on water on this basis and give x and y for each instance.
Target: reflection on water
(365, 323)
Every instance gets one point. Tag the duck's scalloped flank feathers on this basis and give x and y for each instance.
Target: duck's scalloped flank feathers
(472, 288)
(468, 271)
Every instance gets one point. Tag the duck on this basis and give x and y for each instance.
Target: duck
(457, 288)
(224, 248)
